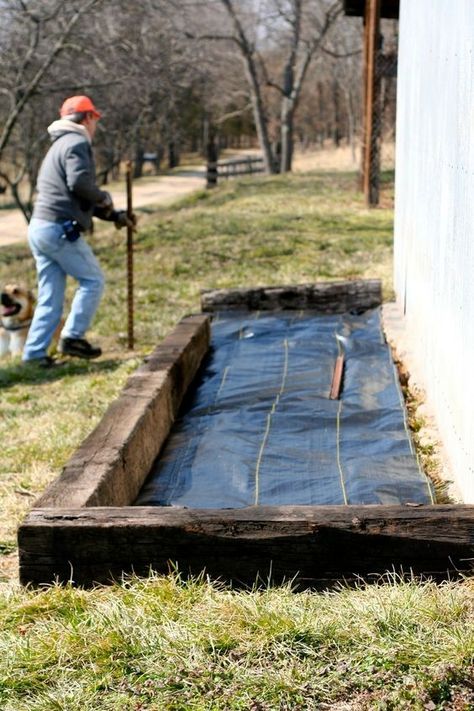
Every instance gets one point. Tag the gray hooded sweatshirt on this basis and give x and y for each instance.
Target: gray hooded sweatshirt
(66, 185)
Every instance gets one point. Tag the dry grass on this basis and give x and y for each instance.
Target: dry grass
(163, 644)
(341, 158)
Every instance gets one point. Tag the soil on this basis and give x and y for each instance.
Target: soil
(427, 438)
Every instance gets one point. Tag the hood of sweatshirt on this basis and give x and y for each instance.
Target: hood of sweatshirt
(61, 126)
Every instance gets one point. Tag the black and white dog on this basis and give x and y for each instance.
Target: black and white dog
(16, 312)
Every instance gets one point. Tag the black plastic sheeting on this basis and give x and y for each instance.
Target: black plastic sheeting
(258, 427)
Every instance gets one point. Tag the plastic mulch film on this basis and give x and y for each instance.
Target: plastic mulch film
(258, 427)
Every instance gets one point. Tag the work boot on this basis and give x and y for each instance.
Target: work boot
(78, 347)
(44, 362)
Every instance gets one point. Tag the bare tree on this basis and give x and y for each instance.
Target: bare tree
(138, 72)
(30, 72)
(341, 65)
(294, 28)
(45, 29)
(307, 26)
(165, 74)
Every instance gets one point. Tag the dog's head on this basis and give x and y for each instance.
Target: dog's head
(17, 304)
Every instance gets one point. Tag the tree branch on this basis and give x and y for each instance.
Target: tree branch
(225, 38)
(34, 82)
(52, 88)
(336, 55)
(266, 77)
(232, 114)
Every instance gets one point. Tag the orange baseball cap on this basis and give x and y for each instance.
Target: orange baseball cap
(78, 104)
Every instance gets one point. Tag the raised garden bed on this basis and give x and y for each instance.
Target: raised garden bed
(85, 528)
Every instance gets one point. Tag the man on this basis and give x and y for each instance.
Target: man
(68, 198)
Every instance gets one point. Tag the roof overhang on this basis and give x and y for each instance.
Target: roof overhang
(389, 9)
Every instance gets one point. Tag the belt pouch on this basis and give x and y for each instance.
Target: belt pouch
(71, 230)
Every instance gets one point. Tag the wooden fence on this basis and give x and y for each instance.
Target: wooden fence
(233, 167)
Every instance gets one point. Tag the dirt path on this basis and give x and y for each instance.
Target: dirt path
(165, 189)
(162, 190)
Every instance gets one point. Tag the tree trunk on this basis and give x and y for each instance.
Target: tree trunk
(337, 114)
(248, 57)
(351, 123)
(160, 152)
(138, 167)
(261, 123)
(173, 154)
(212, 157)
(116, 171)
(287, 131)
(205, 135)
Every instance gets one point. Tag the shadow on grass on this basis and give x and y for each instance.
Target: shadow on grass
(29, 374)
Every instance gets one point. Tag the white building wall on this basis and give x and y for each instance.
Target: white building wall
(434, 208)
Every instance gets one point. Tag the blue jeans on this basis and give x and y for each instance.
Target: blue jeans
(55, 258)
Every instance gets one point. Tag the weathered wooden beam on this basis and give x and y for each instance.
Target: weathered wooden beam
(324, 298)
(309, 543)
(110, 466)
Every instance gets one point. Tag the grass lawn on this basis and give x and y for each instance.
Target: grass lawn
(162, 643)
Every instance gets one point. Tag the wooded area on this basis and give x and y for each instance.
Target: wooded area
(167, 77)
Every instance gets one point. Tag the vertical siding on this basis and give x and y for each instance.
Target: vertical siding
(434, 223)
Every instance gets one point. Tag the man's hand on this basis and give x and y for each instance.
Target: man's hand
(123, 220)
(106, 204)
